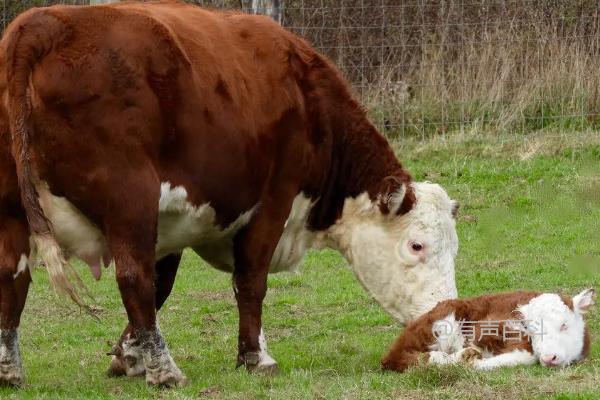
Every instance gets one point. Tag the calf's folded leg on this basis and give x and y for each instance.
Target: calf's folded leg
(511, 359)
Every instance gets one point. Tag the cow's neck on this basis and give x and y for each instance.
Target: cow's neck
(358, 161)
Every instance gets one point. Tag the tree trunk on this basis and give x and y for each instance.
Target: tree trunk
(272, 8)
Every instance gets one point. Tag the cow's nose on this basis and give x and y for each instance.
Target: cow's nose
(549, 359)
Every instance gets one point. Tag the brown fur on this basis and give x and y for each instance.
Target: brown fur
(417, 336)
(108, 102)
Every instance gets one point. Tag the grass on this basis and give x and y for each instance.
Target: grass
(530, 218)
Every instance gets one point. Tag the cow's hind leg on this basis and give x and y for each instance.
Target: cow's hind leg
(128, 360)
(131, 232)
(14, 285)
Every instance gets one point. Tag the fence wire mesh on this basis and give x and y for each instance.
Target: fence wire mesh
(427, 67)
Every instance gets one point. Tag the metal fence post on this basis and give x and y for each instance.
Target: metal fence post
(271, 8)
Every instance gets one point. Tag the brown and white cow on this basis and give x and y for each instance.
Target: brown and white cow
(140, 129)
(499, 330)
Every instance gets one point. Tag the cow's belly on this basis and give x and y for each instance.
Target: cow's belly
(180, 225)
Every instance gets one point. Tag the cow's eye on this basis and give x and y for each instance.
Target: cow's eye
(417, 247)
(563, 327)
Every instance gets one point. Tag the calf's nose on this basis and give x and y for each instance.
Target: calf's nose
(549, 359)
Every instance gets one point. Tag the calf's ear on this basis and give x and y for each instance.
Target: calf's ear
(583, 302)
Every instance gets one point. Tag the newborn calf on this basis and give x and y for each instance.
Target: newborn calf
(497, 330)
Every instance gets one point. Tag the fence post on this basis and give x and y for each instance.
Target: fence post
(272, 8)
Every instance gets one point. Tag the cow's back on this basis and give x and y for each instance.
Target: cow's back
(172, 81)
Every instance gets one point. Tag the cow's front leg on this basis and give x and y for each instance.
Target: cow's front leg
(250, 289)
(14, 285)
(127, 359)
(253, 249)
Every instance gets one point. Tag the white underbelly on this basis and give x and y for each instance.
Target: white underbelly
(180, 225)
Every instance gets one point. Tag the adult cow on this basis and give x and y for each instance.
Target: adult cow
(139, 129)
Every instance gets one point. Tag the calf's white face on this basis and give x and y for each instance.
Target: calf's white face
(557, 331)
(406, 262)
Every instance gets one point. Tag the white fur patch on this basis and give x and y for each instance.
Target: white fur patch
(160, 366)
(296, 238)
(514, 358)
(448, 335)
(132, 354)
(21, 266)
(74, 232)
(440, 358)
(265, 360)
(182, 225)
(10, 360)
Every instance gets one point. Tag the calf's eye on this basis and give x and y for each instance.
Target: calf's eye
(563, 327)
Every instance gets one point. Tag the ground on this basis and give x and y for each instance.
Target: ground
(530, 219)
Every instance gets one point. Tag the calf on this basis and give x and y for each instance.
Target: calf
(507, 329)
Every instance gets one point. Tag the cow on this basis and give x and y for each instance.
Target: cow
(131, 131)
(498, 330)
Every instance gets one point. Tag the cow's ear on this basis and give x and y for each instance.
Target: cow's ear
(584, 301)
(396, 197)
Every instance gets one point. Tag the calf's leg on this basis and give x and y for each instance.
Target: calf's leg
(14, 285)
(467, 355)
(129, 361)
(510, 359)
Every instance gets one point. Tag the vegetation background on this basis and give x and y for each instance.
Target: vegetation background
(426, 67)
(497, 100)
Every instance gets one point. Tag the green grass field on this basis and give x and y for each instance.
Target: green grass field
(529, 219)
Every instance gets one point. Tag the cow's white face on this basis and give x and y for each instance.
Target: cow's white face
(405, 262)
(557, 331)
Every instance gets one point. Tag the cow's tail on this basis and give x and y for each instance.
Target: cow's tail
(34, 35)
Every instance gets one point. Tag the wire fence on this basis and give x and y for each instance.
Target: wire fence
(429, 67)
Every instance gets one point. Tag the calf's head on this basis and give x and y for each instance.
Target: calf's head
(406, 262)
(556, 327)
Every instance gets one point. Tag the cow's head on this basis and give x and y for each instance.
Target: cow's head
(406, 262)
(556, 327)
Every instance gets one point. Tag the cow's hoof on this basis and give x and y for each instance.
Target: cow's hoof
(130, 364)
(264, 369)
(12, 377)
(124, 367)
(470, 354)
(261, 364)
(116, 368)
(169, 379)
(134, 366)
